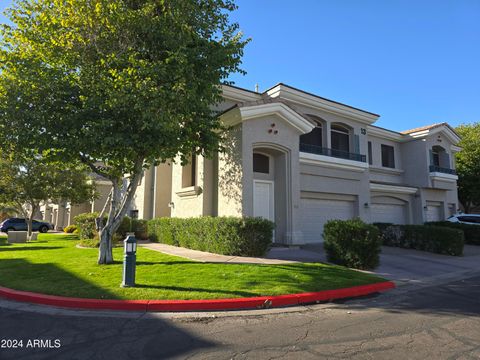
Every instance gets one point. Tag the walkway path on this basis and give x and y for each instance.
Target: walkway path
(209, 257)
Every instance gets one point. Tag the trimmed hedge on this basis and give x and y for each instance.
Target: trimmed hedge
(221, 235)
(471, 232)
(86, 226)
(429, 238)
(352, 243)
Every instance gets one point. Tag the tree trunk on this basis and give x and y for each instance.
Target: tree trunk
(30, 222)
(105, 254)
(118, 209)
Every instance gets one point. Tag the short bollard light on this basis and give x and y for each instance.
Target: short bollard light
(129, 260)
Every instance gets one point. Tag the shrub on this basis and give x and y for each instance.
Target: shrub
(139, 227)
(471, 232)
(70, 229)
(429, 238)
(352, 243)
(86, 226)
(220, 235)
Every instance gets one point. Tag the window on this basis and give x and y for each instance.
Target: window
(435, 158)
(388, 157)
(314, 137)
(261, 163)
(370, 160)
(189, 172)
(340, 138)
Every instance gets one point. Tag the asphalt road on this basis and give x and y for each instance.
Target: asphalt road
(440, 322)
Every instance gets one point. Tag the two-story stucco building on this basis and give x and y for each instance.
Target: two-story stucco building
(300, 160)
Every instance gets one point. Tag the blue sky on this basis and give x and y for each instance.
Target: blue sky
(413, 62)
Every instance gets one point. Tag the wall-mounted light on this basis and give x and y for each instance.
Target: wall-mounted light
(171, 205)
(425, 207)
(366, 206)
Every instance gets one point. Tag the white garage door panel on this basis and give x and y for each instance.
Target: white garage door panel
(315, 213)
(388, 213)
(434, 213)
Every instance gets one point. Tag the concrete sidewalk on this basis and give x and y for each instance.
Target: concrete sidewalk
(202, 256)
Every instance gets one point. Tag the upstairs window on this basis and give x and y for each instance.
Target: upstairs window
(388, 156)
(189, 172)
(314, 137)
(261, 163)
(340, 138)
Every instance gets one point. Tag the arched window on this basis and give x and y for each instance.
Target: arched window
(261, 163)
(314, 137)
(340, 136)
(439, 157)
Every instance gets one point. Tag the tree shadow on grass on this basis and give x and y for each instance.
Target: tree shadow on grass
(154, 338)
(192, 289)
(21, 274)
(27, 248)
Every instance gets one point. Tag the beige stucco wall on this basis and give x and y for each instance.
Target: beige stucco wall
(230, 174)
(195, 200)
(285, 143)
(103, 190)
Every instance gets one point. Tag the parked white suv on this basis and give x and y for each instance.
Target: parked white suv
(471, 219)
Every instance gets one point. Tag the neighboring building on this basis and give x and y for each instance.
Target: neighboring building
(300, 160)
(62, 214)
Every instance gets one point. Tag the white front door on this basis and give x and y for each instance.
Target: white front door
(263, 199)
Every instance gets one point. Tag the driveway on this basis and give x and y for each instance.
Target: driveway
(400, 265)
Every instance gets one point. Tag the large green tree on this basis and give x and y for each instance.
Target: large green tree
(468, 165)
(26, 183)
(119, 84)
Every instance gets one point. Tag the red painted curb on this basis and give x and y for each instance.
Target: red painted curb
(196, 305)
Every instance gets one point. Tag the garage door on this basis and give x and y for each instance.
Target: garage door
(314, 213)
(388, 213)
(434, 212)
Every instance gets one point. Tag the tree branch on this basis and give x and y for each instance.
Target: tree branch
(95, 169)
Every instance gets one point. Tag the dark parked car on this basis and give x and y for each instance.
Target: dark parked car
(19, 224)
(471, 219)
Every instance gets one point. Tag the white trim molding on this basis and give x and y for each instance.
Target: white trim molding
(386, 170)
(332, 162)
(239, 114)
(285, 92)
(443, 176)
(385, 134)
(189, 191)
(237, 94)
(396, 189)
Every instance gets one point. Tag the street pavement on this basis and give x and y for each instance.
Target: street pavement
(429, 322)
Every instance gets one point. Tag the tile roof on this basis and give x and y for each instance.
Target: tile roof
(422, 128)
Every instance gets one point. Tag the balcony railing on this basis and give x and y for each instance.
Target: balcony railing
(435, 168)
(313, 149)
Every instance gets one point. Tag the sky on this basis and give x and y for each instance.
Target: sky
(412, 62)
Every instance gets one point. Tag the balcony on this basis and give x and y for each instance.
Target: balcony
(438, 169)
(318, 150)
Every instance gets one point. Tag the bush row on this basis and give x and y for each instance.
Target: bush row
(471, 232)
(429, 238)
(221, 235)
(352, 243)
(85, 224)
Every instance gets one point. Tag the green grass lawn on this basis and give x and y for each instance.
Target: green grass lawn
(53, 265)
